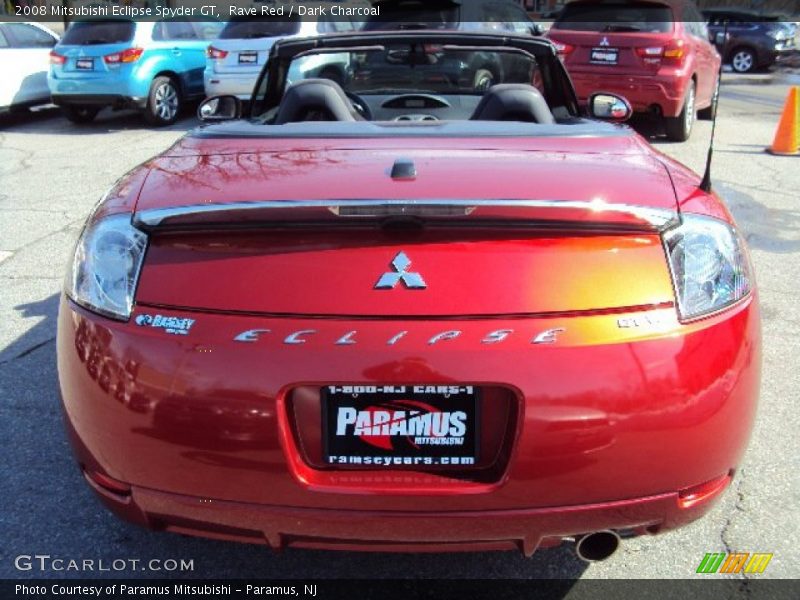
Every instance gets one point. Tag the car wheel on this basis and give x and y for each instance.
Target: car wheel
(483, 80)
(708, 114)
(743, 60)
(679, 128)
(80, 114)
(164, 102)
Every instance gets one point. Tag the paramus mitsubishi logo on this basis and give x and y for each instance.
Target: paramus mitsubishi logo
(400, 264)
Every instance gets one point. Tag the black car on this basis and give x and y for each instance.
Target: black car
(434, 67)
(753, 40)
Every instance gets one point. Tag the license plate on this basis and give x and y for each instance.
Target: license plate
(85, 64)
(400, 427)
(604, 56)
(248, 57)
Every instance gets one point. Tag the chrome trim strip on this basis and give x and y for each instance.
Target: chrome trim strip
(657, 218)
(339, 50)
(507, 49)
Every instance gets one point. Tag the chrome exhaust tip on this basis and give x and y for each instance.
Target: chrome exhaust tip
(594, 547)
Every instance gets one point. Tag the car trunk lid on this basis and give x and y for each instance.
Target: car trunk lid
(629, 53)
(322, 230)
(245, 43)
(94, 49)
(240, 57)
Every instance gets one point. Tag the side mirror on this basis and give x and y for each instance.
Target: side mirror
(220, 108)
(609, 107)
(720, 38)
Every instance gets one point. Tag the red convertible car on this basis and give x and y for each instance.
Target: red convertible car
(427, 317)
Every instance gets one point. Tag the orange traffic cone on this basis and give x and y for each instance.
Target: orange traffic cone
(787, 137)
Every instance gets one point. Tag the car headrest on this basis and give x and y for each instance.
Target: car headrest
(315, 100)
(513, 102)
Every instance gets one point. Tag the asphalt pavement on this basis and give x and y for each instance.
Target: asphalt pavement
(52, 173)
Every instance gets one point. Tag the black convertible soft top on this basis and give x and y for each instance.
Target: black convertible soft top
(389, 129)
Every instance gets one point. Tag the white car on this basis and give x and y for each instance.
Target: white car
(236, 58)
(24, 62)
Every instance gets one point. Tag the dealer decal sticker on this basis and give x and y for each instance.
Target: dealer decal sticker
(171, 325)
(401, 425)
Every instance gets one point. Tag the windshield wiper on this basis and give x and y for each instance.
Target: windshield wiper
(96, 42)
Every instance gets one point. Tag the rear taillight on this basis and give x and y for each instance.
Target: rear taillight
(563, 49)
(126, 56)
(216, 53)
(108, 484)
(651, 55)
(57, 59)
(674, 52)
(650, 51)
(671, 54)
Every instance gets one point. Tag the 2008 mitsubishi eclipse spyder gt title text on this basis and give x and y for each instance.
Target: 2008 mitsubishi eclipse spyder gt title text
(425, 316)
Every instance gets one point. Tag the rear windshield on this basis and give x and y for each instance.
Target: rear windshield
(399, 69)
(243, 29)
(615, 17)
(99, 32)
(414, 15)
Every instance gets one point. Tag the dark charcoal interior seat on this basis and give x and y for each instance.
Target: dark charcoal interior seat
(315, 100)
(513, 102)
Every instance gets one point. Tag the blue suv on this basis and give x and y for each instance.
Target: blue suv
(152, 67)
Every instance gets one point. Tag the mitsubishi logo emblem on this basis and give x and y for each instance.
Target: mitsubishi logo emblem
(400, 264)
(604, 41)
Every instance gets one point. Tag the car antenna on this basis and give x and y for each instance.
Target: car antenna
(705, 184)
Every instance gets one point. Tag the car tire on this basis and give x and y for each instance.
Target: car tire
(708, 114)
(678, 129)
(80, 115)
(743, 60)
(483, 80)
(164, 103)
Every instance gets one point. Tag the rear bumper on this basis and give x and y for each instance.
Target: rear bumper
(607, 425)
(524, 530)
(643, 92)
(218, 84)
(100, 100)
(126, 82)
(781, 56)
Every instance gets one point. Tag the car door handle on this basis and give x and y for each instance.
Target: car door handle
(176, 51)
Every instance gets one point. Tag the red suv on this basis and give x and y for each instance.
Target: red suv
(656, 53)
